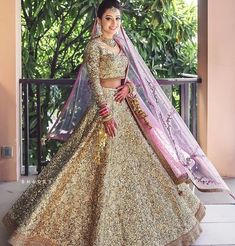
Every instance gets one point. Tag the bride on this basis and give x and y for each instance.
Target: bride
(120, 177)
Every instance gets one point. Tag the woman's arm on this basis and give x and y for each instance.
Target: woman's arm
(92, 61)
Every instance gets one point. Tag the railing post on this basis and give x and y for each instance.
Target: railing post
(184, 103)
(39, 146)
(193, 107)
(26, 127)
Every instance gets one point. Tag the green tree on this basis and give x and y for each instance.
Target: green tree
(54, 36)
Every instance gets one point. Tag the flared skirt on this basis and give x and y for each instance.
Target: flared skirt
(103, 191)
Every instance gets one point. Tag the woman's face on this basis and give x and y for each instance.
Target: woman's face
(110, 22)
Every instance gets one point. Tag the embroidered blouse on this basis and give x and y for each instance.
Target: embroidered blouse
(102, 63)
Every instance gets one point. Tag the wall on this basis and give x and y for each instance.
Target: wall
(217, 93)
(10, 72)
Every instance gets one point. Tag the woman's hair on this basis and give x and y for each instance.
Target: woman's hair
(107, 4)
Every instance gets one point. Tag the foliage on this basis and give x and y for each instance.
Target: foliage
(54, 35)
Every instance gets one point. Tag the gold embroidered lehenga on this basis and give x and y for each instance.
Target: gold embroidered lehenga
(105, 191)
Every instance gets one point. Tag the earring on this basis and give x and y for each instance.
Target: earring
(99, 30)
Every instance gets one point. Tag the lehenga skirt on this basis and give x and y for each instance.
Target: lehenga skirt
(103, 191)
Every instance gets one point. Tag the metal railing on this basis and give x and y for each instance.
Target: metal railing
(188, 102)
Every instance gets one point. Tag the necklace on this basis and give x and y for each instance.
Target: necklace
(109, 41)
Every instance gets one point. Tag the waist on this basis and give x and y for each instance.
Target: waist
(111, 83)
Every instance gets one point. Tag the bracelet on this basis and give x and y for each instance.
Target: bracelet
(103, 104)
(130, 86)
(107, 118)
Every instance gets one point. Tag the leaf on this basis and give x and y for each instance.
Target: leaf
(153, 26)
(38, 9)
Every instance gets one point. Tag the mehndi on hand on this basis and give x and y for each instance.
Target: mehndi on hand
(122, 93)
(110, 127)
(108, 121)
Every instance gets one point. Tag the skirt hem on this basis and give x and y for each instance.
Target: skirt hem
(191, 236)
(184, 240)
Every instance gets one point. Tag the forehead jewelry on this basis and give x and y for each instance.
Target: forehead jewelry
(113, 9)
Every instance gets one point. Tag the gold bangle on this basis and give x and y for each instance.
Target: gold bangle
(103, 104)
(130, 86)
(107, 118)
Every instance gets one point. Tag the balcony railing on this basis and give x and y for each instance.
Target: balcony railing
(188, 108)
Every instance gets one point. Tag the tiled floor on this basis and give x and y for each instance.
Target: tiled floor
(218, 225)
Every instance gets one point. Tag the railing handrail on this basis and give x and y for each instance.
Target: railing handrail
(186, 78)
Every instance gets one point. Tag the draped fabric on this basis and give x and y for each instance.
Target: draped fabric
(158, 119)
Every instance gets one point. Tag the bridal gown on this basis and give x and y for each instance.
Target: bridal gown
(103, 191)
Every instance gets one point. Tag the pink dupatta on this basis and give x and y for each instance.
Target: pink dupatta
(159, 121)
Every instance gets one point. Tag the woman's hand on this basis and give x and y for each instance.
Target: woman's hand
(110, 127)
(122, 93)
(108, 121)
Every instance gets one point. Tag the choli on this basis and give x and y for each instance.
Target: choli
(110, 65)
(102, 63)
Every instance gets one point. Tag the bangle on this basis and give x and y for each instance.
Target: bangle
(130, 86)
(107, 118)
(103, 104)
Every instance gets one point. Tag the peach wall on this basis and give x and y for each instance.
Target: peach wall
(218, 135)
(10, 72)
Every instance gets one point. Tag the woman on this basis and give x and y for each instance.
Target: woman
(108, 184)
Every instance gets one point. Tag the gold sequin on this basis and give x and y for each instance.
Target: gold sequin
(105, 191)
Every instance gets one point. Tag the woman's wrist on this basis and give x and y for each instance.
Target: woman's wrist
(131, 87)
(107, 118)
(102, 104)
(105, 112)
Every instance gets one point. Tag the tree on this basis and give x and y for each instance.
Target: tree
(54, 36)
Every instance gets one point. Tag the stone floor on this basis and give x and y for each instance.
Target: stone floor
(218, 225)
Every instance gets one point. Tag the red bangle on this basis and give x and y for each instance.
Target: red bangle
(107, 117)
